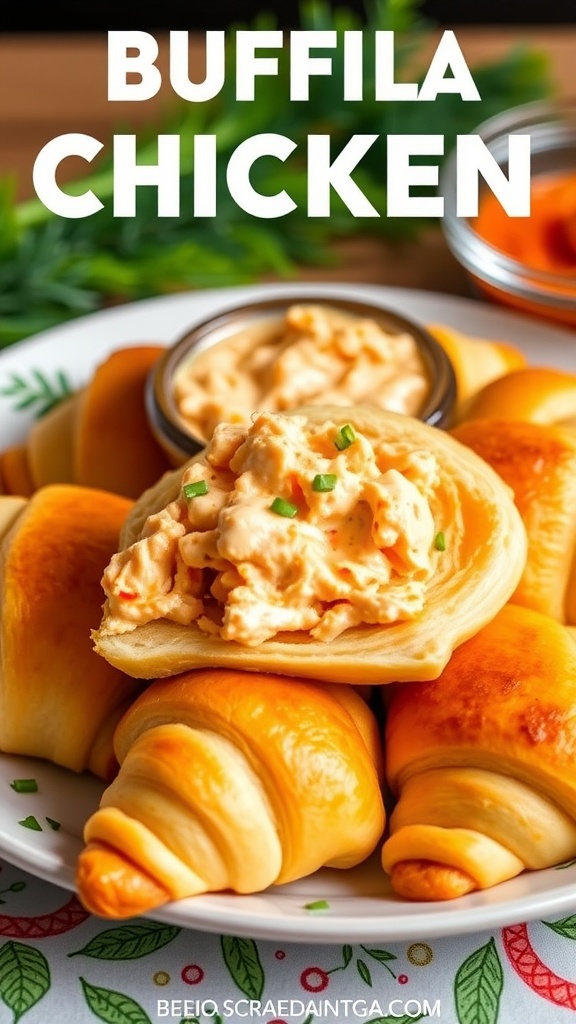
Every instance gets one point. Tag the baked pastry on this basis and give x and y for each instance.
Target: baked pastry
(538, 462)
(98, 437)
(287, 547)
(58, 700)
(482, 761)
(15, 470)
(114, 447)
(476, 361)
(232, 780)
(538, 394)
(50, 444)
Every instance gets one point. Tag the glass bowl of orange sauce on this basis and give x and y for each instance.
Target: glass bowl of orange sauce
(528, 263)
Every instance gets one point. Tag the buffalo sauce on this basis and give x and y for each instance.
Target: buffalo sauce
(544, 242)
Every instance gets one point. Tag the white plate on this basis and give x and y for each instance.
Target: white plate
(362, 907)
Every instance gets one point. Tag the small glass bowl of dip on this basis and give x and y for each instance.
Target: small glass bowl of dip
(528, 263)
(206, 364)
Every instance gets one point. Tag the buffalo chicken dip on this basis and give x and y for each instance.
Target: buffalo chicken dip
(313, 355)
(284, 524)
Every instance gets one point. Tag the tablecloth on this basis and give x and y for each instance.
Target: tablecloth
(59, 964)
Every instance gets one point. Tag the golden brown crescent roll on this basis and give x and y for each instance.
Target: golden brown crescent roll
(476, 361)
(538, 462)
(482, 761)
(15, 469)
(232, 780)
(351, 545)
(58, 700)
(114, 447)
(538, 394)
(50, 444)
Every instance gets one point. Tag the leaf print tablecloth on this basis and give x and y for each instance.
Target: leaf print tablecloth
(59, 964)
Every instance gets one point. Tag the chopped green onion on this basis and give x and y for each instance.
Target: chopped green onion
(317, 905)
(284, 508)
(195, 489)
(24, 785)
(345, 437)
(324, 482)
(53, 823)
(31, 822)
(440, 541)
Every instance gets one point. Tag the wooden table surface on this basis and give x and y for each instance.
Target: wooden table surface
(52, 84)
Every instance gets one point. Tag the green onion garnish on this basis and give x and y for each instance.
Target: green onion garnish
(195, 489)
(24, 785)
(324, 482)
(53, 823)
(440, 541)
(31, 822)
(317, 905)
(345, 437)
(284, 508)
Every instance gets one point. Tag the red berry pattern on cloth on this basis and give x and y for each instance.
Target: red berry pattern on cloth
(41, 926)
(533, 971)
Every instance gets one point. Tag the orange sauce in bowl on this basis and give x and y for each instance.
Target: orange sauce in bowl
(544, 242)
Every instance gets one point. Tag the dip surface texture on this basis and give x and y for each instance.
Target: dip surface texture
(284, 525)
(314, 355)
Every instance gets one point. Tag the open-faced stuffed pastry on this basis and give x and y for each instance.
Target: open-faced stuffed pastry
(482, 761)
(351, 545)
(232, 780)
(58, 699)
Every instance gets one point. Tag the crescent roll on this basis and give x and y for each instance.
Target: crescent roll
(114, 448)
(232, 780)
(476, 361)
(58, 700)
(350, 545)
(538, 462)
(538, 394)
(482, 761)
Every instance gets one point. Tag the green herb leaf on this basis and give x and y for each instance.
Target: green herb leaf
(32, 823)
(24, 785)
(113, 1007)
(24, 977)
(345, 437)
(324, 482)
(195, 489)
(129, 942)
(478, 986)
(440, 541)
(284, 508)
(243, 962)
(54, 825)
(317, 905)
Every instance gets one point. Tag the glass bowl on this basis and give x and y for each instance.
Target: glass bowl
(175, 435)
(513, 280)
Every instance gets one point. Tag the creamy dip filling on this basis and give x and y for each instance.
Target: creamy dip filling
(315, 355)
(283, 525)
